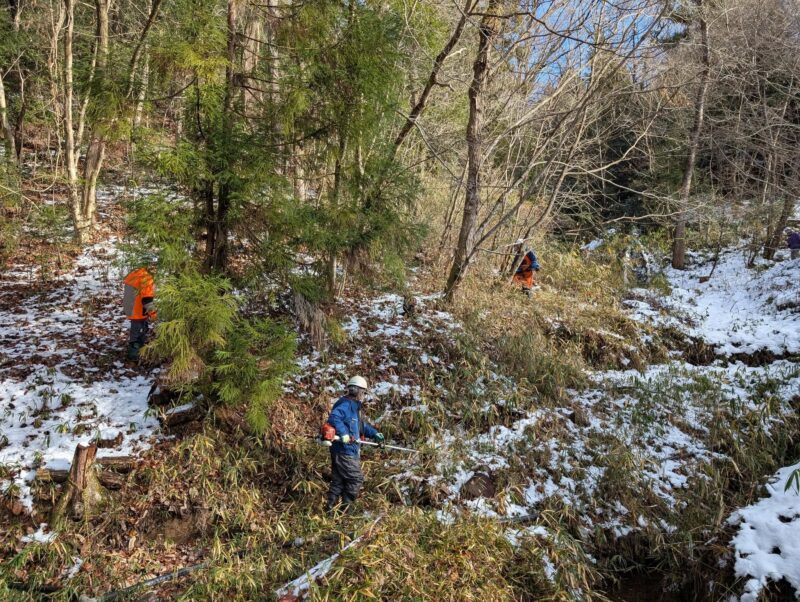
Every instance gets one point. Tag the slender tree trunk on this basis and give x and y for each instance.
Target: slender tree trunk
(138, 110)
(775, 240)
(55, 78)
(337, 185)
(19, 122)
(210, 219)
(71, 152)
(219, 256)
(679, 240)
(5, 127)
(488, 31)
(97, 144)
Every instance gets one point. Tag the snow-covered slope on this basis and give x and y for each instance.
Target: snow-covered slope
(745, 311)
(62, 376)
(665, 422)
(738, 310)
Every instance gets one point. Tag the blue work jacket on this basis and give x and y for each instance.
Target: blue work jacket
(346, 419)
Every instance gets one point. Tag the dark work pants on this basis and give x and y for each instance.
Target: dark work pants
(346, 480)
(138, 336)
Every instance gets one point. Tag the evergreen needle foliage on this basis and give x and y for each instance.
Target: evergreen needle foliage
(212, 349)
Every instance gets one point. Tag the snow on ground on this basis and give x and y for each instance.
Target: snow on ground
(767, 544)
(745, 311)
(739, 310)
(40, 536)
(384, 338)
(62, 376)
(663, 419)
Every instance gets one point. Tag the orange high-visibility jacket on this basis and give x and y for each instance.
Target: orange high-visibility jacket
(139, 291)
(524, 274)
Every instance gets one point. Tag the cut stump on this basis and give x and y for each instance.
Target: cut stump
(82, 491)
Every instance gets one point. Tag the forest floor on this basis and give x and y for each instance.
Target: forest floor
(656, 470)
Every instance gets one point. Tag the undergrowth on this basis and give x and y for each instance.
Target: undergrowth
(573, 322)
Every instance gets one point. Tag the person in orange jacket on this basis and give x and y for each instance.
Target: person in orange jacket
(138, 303)
(524, 273)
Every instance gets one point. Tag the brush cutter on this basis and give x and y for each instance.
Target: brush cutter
(328, 442)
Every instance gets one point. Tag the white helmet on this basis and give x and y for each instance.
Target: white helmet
(358, 381)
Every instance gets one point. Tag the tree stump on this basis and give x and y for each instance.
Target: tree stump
(82, 491)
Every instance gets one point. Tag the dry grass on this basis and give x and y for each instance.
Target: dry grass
(572, 322)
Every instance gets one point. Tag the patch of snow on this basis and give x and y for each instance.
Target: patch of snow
(42, 535)
(767, 544)
(179, 409)
(77, 563)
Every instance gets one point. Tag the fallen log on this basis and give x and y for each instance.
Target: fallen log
(52, 475)
(108, 478)
(180, 415)
(118, 463)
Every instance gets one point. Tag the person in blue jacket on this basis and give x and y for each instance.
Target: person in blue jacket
(345, 417)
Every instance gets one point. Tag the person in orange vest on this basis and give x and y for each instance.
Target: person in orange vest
(524, 273)
(138, 303)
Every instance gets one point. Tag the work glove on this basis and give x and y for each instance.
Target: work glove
(379, 439)
(346, 438)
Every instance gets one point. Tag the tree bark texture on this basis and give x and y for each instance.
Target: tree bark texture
(5, 127)
(82, 491)
(97, 144)
(679, 237)
(487, 32)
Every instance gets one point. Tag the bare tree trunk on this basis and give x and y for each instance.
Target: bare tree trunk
(5, 127)
(53, 69)
(679, 240)
(332, 260)
(71, 155)
(206, 193)
(20, 120)
(219, 255)
(97, 145)
(141, 94)
(775, 240)
(488, 31)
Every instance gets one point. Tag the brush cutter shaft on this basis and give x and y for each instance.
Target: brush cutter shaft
(362, 442)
